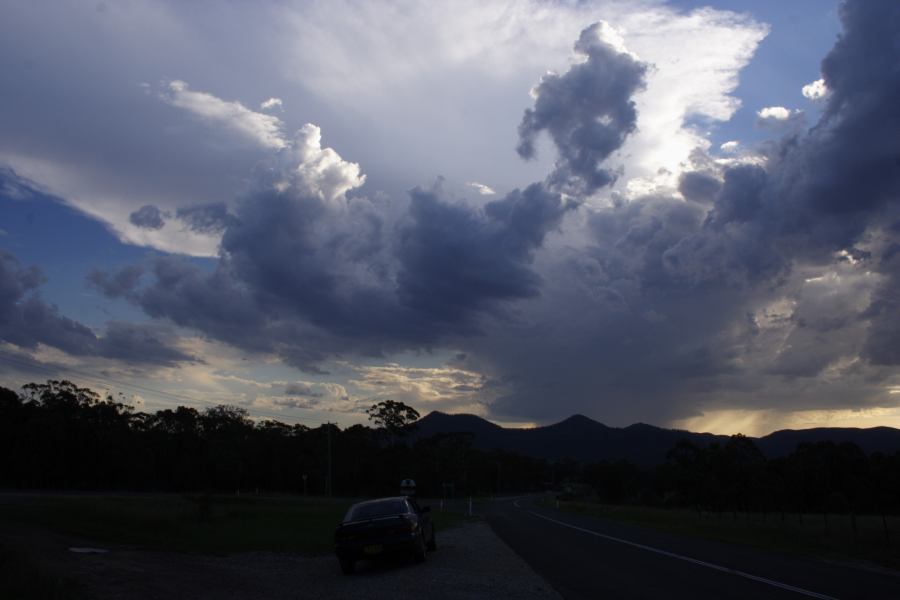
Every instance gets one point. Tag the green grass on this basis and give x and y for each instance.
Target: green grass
(446, 520)
(807, 535)
(215, 525)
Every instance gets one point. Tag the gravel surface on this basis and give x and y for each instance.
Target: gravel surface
(470, 562)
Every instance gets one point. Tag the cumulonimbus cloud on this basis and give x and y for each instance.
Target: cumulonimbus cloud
(734, 285)
(301, 261)
(588, 111)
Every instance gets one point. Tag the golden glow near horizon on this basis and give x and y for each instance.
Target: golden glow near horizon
(762, 422)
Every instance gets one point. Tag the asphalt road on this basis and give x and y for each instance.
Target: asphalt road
(589, 557)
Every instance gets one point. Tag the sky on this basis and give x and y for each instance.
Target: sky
(678, 213)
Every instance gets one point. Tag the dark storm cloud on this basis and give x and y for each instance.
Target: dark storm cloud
(856, 152)
(302, 389)
(588, 112)
(823, 190)
(190, 297)
(666, 302)
(147, 217)
(455, 259)
(205, 218)
(118, 284)
(698, 186)
(286, 282)
(828, 186)
(308, 274)
(136, 343)
(627, 331)
(26, 321)
(307, 279)
(766, 280)
(839, 186)
(883, 343)
(734, 245)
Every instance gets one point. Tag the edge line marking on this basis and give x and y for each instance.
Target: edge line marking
(695, 561)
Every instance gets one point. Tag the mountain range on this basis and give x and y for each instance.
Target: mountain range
(583, 439)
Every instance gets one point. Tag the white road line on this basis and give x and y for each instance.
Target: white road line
(695, 561)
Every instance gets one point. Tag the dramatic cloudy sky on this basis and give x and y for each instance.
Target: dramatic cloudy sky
(670, 212)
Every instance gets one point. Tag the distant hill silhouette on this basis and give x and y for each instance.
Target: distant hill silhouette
(582, 439)
(873, 439)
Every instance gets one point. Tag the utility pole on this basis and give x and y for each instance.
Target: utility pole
(328, 480)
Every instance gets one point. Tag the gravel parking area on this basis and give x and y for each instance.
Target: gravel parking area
(471, 562)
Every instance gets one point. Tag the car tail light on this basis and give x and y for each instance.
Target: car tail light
(408, 526)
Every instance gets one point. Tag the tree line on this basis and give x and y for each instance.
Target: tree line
(56, 435)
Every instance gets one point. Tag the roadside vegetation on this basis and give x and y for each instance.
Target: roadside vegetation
(57, 435)
(829, 536)
(196, 524)
(214, 480)
(824, 499)
(206, 524)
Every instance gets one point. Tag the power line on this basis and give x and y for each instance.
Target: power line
(28, 363)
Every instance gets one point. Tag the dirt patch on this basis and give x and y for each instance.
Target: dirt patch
(471, 562)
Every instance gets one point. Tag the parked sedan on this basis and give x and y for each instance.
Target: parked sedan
(377, 528)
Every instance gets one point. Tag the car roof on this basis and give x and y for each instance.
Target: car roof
(380, 500)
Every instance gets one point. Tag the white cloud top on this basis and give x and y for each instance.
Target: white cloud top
(271, 103)
(266, 130)
(730, 146)
(815, 90)
(321, 172)
(484, 190)
(777, 113)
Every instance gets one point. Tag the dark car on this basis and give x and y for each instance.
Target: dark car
(383, 527)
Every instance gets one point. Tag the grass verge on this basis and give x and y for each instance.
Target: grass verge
(194, 524)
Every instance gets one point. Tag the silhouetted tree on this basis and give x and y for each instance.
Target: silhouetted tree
(392, 416)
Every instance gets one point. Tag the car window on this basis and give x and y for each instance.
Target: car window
(381, 508)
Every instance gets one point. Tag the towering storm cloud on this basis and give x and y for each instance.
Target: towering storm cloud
(771, 284)
(692, 279)
(588, 111)
(315, 273)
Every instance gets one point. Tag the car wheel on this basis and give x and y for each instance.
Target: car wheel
(348, 565)
(420, 550)
(432, 542)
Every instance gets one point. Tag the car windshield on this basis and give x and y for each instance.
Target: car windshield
(380, 508)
